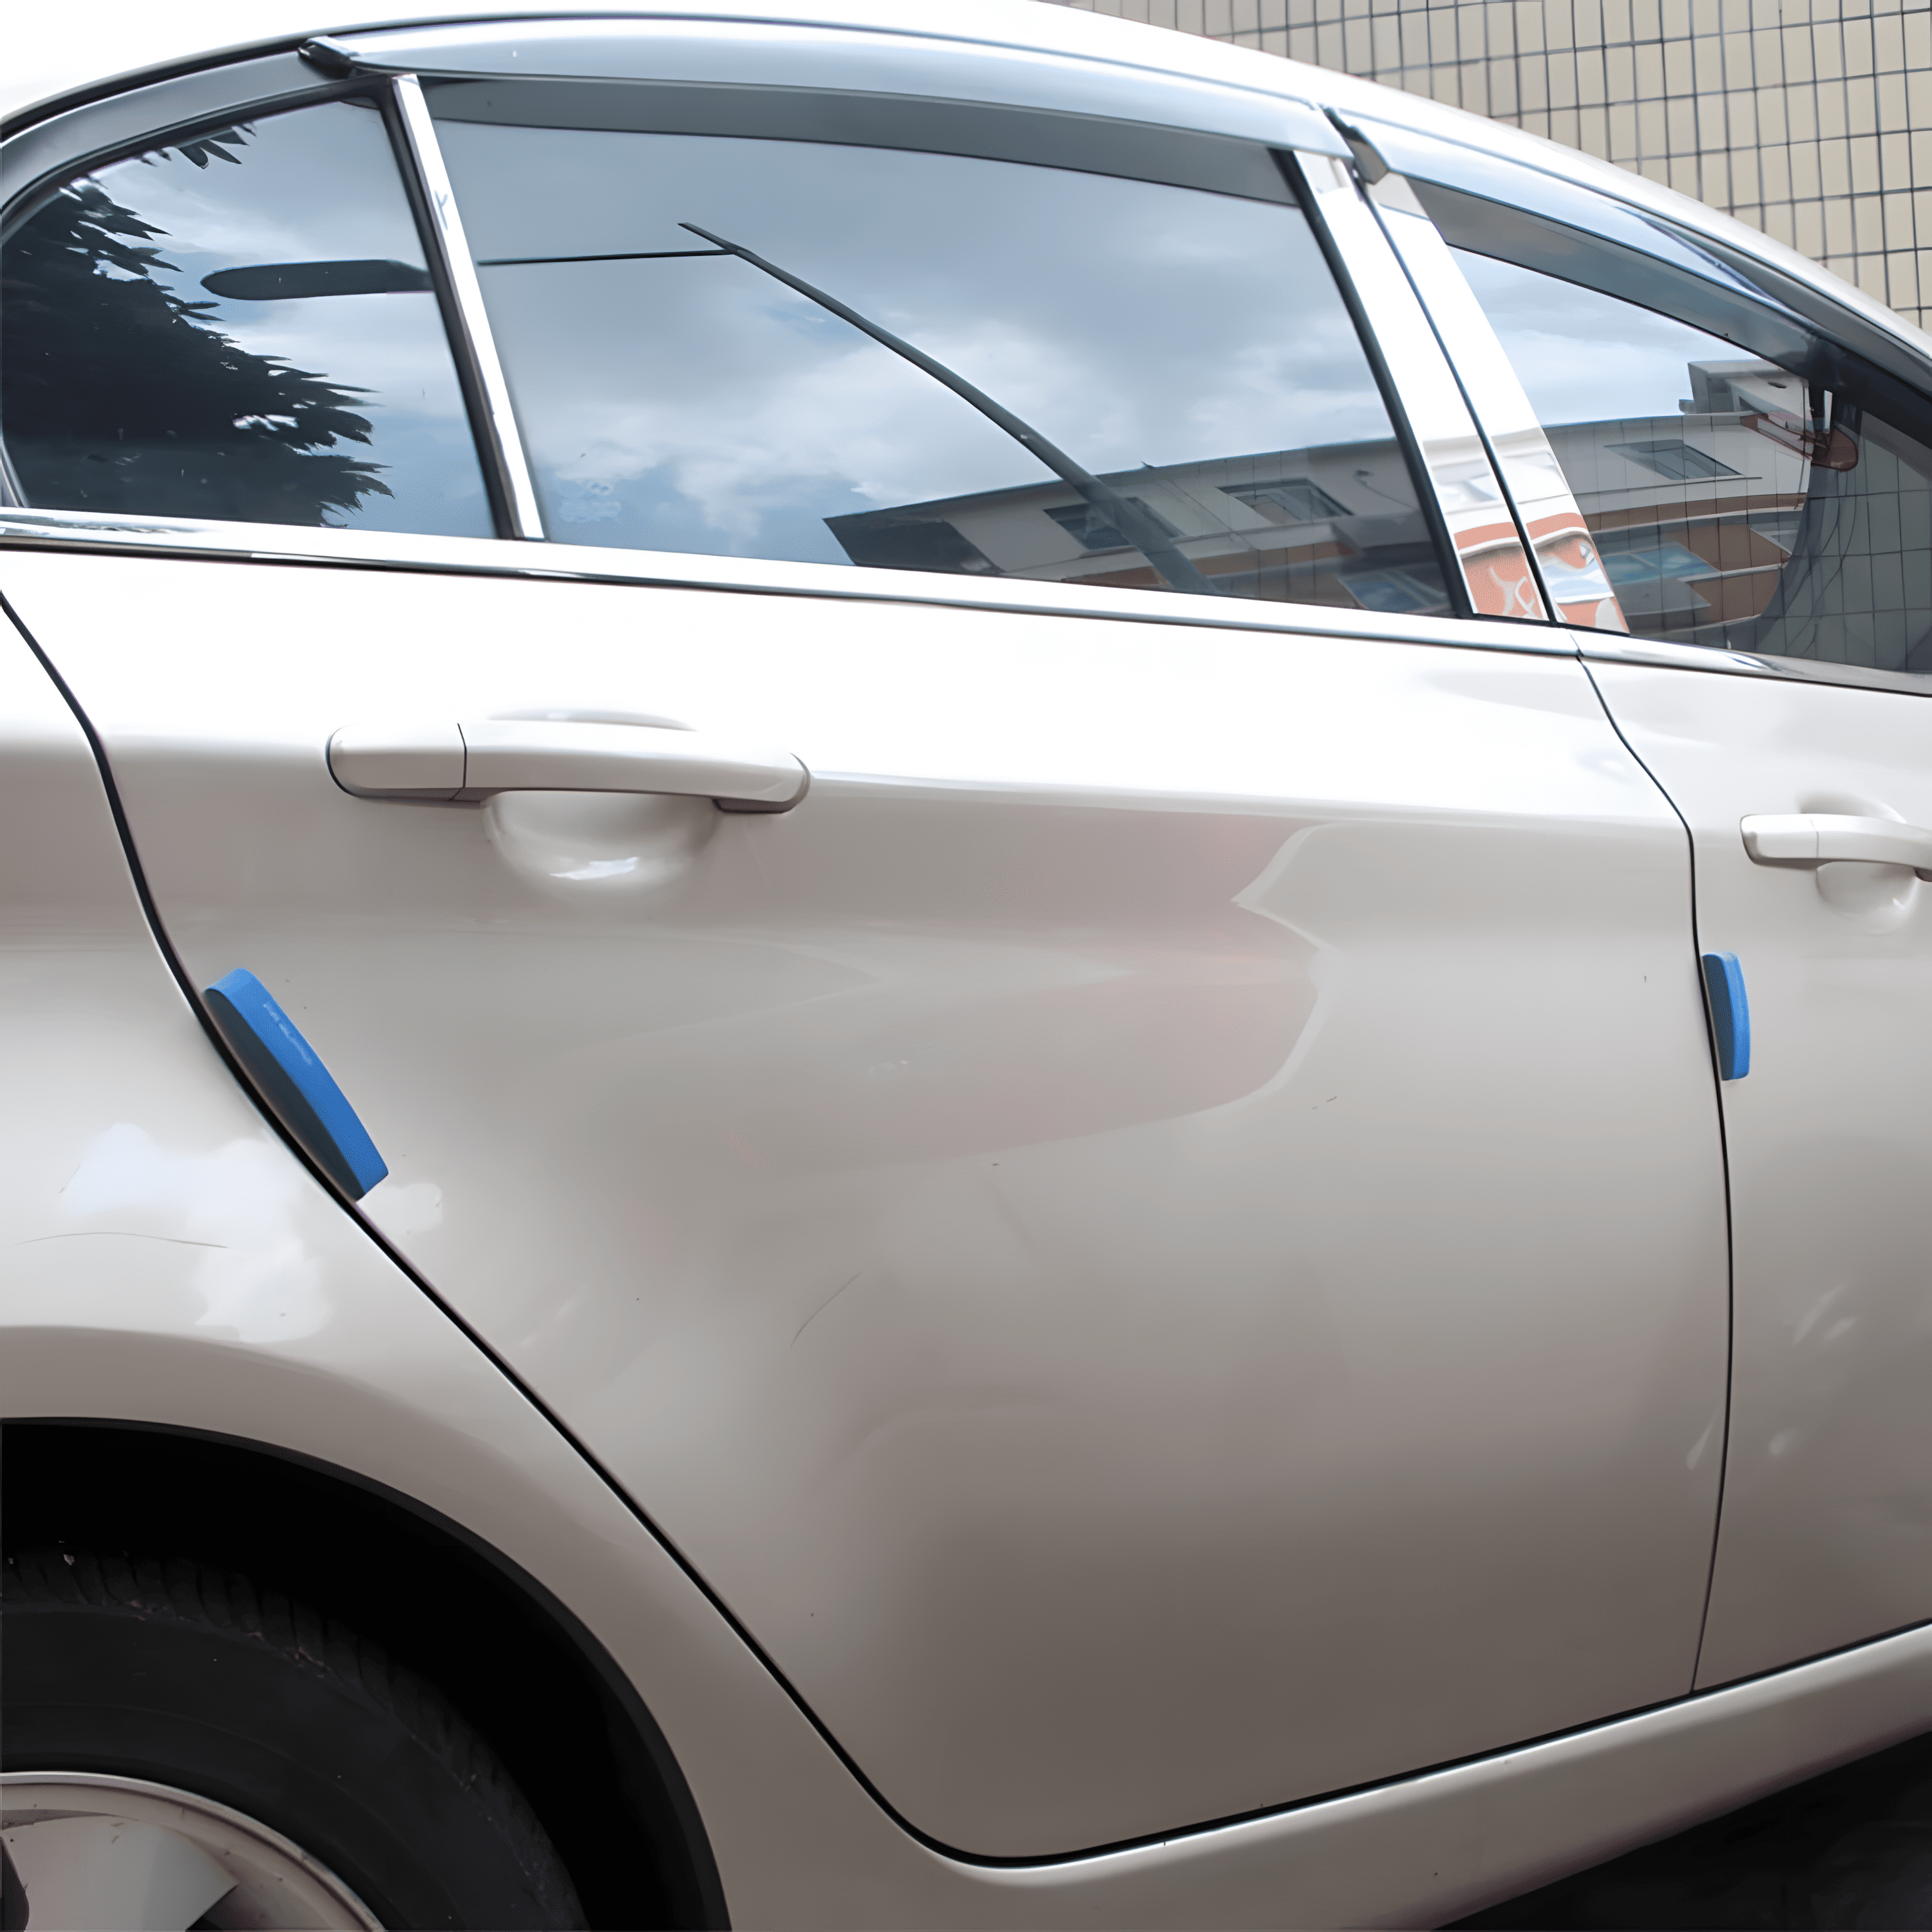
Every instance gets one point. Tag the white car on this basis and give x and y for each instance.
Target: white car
(962, 969)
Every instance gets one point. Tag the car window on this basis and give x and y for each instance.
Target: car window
(242, 326)
(852, 354)
(1781, 507)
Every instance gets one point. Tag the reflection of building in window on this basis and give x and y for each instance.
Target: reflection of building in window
(1275, 525)
(1733, 523)
(1293, 500)
(1699, 554)
(1092, 531)
(908, 539)
(1804, 530)
(1673, 458)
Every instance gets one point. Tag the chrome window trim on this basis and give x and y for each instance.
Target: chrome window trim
(381, 549)
(1518, 445)
(1426, 400)
(493, 415)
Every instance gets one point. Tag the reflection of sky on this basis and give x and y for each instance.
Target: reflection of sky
(1585, 357)
(697, 404)
(320, 185)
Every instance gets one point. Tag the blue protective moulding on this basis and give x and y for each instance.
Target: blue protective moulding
(295, 1083)
(1730, 1013)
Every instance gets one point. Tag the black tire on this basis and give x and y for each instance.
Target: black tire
(167, 1671)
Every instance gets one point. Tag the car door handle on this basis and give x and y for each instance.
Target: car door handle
(1817, 837)
(479, 757)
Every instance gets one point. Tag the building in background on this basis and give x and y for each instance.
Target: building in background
(1811, 119)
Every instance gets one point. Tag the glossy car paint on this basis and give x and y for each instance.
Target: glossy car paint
(798, 1839)
(119, 1302)
(1094, 1232)
(1827, 1531)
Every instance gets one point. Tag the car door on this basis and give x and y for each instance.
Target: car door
(1156, 1235)
(1755, 465)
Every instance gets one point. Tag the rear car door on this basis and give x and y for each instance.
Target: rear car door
(1156, 1235)
(1753, 463)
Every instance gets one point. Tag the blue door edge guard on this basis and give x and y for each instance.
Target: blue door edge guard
(1730, 1014)
(290, 1076)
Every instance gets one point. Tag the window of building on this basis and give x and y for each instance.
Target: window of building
(1674, 460)
(1091, 530)
(1295, 500)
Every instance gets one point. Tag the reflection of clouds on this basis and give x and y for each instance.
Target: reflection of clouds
(258, 1276)
(1586, 357)
(853, 411)
(391, 345)
(319, 183)
(1132, 323)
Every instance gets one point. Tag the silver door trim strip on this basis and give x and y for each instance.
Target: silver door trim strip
(1547, 513)
(1498, 577)
(499, 441)
(190, 539)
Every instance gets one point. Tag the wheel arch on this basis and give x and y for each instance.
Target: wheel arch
(519, 1664)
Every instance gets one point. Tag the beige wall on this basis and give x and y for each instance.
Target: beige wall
(1811, 119)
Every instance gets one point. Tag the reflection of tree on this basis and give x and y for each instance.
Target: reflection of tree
(118, 395)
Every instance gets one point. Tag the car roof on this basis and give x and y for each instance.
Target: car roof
(54, 53)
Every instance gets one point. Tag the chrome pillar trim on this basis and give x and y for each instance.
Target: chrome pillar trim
(1574, 581)
(500, 443)
(1490, 552)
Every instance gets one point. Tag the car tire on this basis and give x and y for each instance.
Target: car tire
(165, 1671)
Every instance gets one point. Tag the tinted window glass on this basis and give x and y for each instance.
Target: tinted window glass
(238, 326)
(1184, 351)
(1737, 502)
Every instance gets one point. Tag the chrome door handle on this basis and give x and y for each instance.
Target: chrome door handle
(1817, 837)
(480, 757)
